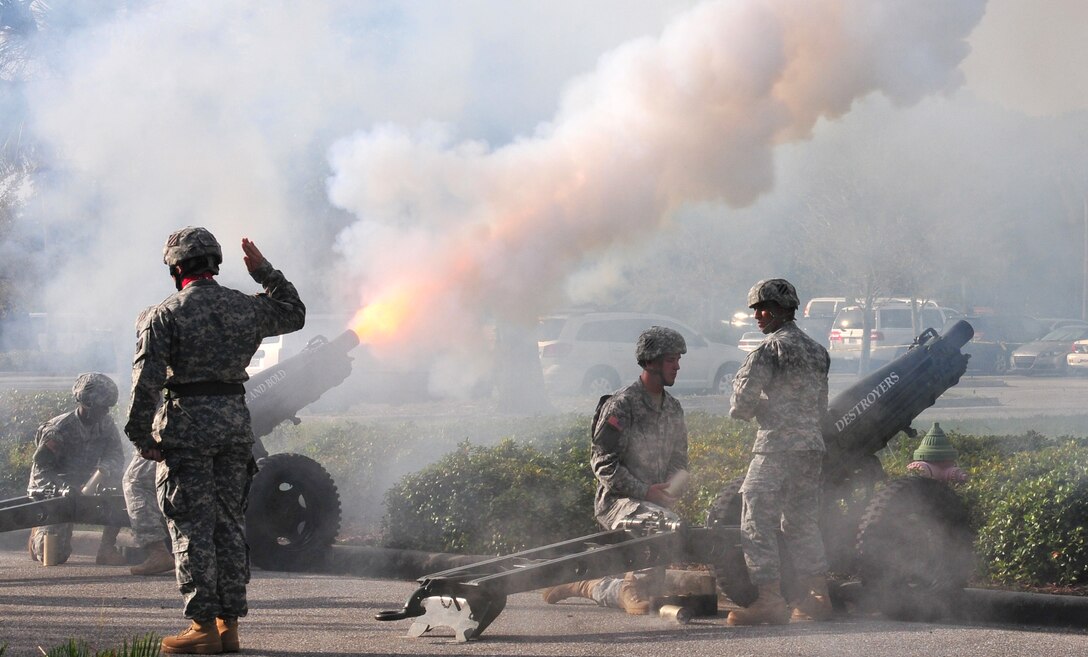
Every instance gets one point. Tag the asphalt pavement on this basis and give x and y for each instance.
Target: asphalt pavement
(333, 614)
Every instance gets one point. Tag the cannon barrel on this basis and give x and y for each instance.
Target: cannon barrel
(863, 418)
(278, 393)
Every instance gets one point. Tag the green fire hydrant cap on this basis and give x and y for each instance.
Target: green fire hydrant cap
(935, 447)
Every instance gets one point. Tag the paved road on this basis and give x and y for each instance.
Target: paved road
(302, 614)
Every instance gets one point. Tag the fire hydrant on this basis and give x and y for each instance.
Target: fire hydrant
(935, 458)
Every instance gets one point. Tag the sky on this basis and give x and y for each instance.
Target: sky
(439, 167)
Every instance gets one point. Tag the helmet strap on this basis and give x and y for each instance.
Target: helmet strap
(175, 273)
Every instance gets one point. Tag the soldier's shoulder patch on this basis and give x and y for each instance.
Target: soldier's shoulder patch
(615, 422)
(52, 445)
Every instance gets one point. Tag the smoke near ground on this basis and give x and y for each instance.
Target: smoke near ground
(469, 168)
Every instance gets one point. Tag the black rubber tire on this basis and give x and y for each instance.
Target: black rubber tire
(294, 513)
(723, 380)
(915, 549)
(600, 380)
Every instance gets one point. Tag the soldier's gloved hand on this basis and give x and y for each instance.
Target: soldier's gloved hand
(658, 494)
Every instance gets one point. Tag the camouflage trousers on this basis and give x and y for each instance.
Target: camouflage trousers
(141, 501)
(203, 494)
(782, 491)
(606, 593)
(61, 533)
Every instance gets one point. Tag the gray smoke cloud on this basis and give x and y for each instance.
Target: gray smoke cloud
(695, 115)
(494, 167)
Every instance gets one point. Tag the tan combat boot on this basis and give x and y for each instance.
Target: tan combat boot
(815, 603)
(228, 634)
(633, 596)
(198, 639)
(582, 589)
(770, 608)
(158, 560)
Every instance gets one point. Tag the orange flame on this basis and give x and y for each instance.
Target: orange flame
(380, 321)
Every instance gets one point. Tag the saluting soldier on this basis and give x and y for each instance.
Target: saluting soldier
(193, 349)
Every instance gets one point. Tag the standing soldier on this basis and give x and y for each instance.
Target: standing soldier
(193, 349)
(640, 445)
(783, 385)
(69, 450)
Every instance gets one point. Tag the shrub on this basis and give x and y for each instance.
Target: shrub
(719, 450)
(1035, 530)
(518, 495)
(492, 500)
(21, 413)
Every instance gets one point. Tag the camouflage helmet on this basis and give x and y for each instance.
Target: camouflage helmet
(657, 341)
(95, 389)
(778, 290)
(192, 242)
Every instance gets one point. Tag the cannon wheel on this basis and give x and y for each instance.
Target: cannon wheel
(294, 512)
(915, 548)
(732, 571)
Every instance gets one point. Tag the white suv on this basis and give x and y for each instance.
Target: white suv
(891, 329)
(594, 353)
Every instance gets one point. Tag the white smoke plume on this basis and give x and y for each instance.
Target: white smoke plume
(449, 232)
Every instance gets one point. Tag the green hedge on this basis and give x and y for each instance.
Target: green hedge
(1028, 495)
(21, 413)
(490, 485)
(493, 500)
(1037, 513)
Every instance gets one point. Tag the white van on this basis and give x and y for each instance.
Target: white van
(891, 333)
(824, 306)
(594, 353)
(268, 354)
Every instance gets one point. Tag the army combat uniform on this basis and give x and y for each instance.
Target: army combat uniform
(144, 516)
(635, 444)
(195, 345)
(783, 385)
(67, 452)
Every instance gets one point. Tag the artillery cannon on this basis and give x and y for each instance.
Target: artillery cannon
(909, 543)
(294, 506)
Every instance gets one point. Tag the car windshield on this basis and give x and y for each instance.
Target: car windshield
(1066, 334)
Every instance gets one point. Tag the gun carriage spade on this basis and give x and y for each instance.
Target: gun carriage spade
(294, 506)
(908, 542)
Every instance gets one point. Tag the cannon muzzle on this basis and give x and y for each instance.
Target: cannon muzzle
(278, 393)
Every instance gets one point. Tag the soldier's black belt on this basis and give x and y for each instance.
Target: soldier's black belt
(204, 388)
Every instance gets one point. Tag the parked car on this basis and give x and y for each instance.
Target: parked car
(1048, 353)
(594, 353)
(891, 332)
(817, 328)
(750, 340)
(824, 306)
(1077, 361)
(996, 336)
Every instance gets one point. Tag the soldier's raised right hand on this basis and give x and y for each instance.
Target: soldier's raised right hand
(253, 257)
